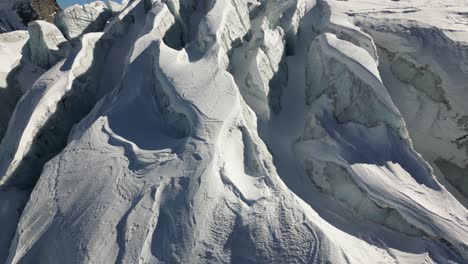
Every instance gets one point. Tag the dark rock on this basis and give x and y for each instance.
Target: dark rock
(30, 10)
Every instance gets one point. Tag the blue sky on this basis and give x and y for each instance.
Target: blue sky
(65, 3)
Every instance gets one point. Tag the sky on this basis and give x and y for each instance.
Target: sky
(65, 3)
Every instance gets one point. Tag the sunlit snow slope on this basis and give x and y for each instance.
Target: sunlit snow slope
(234, 131)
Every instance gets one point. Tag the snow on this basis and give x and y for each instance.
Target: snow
(355, 80)
(448, 16)
(77, 20)
(11, 45)
(236, 132)
(17, 73)
(44, 42)
(424, 68)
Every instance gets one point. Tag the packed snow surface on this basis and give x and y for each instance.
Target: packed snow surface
(233, 131)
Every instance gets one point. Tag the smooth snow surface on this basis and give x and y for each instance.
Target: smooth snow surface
(230, 131)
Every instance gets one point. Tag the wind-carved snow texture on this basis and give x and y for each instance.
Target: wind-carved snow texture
(229, 131)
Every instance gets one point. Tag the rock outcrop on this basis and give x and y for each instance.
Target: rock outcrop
(30, 10)
(16, 14)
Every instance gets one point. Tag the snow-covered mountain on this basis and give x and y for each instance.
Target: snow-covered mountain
(234, 131)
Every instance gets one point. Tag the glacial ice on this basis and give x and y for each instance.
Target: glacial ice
(44, 41)
(423, 66)
(229, 131)
(77, 20)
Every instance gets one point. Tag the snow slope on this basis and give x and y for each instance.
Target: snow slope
(230, 131)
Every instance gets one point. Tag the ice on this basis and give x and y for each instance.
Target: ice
(11, 53)
(44, 41)
(350, 73)
(77, 20)
(17, 73)
(423, 66)
(228, 131)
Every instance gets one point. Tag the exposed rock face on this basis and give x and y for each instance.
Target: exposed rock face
(16, 14)
(30, 10)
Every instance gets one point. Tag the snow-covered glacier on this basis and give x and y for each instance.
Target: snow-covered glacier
(236, 131)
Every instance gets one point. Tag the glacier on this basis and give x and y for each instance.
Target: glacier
(235, 131)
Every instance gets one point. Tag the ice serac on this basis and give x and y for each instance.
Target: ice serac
(77, 20)
(44, 42)
(348, 74)
(424, 67)
(226, 131)
(10, 54)
(335, 144)
(258, 61)
(337, 23)
(23, 154)
(344, 79)
(190, 182)
(17, 73)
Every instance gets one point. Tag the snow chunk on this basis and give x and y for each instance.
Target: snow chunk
(225, 24)
(11, 45)
(114, 7)
(45, 39)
